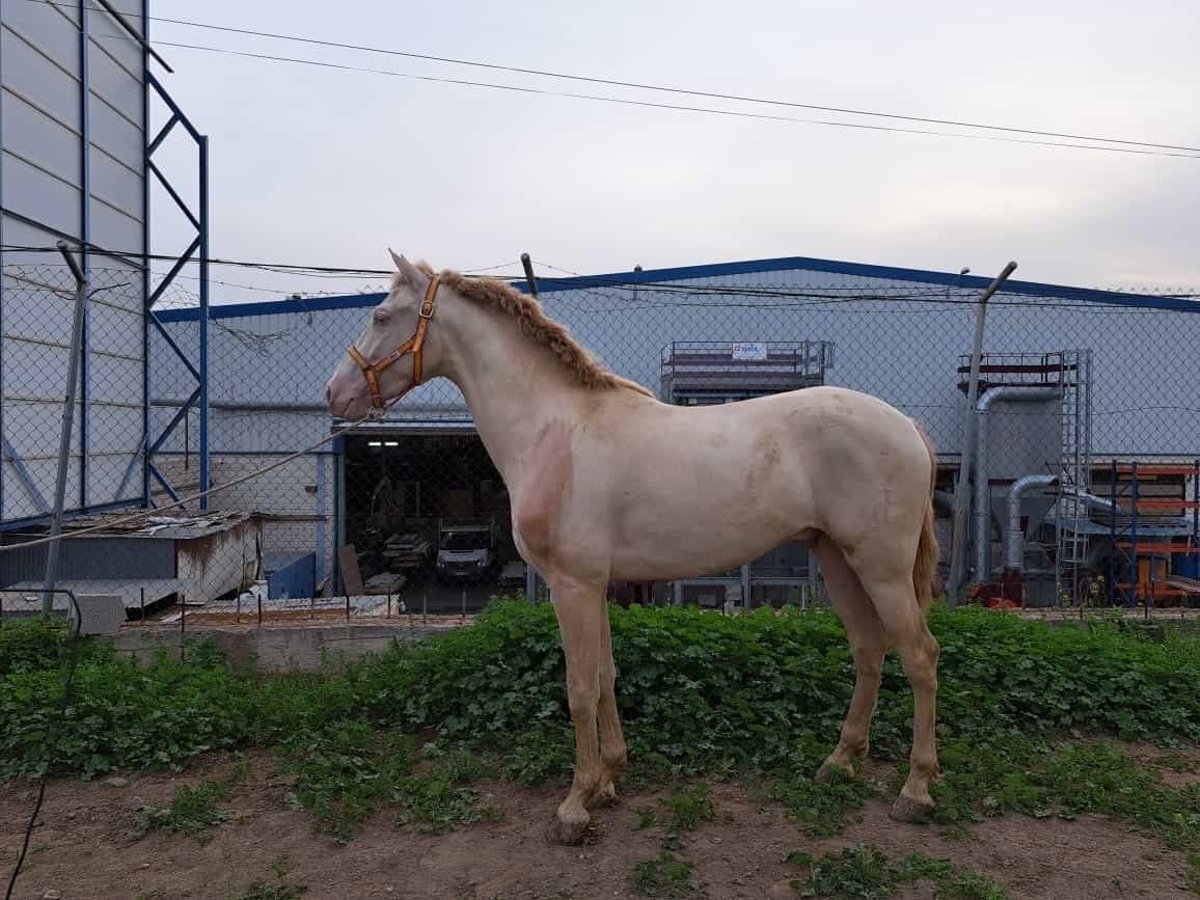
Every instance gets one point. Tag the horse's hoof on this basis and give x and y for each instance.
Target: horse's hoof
(831, 772)
(906, 809)
(568, 834)
(606, 796)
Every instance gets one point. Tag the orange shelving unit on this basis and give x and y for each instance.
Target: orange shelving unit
(1155, 560)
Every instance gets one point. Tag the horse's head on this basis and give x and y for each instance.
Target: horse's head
(392, 355)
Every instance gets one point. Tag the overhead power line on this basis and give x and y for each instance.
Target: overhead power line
(1109, 144)
(624, 101)
(690, 92)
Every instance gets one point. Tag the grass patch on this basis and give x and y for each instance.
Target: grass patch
(821, 808)
(1036, 779)
(347, 772)
(689, 806)
(865, 872)
(193, 810)
(271, 890)
(667, 875)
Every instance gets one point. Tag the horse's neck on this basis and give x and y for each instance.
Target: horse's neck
(513, 388)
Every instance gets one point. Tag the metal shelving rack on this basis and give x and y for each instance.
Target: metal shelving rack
(1132, 545)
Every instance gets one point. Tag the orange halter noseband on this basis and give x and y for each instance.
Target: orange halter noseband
(413, 345)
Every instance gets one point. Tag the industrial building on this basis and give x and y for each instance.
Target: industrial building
(1073, 383)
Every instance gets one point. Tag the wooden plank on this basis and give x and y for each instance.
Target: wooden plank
(1165, 503)
(1151, 547)
(352, 583)
(1152, 469)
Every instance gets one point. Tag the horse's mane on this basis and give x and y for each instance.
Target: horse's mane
(534, 323)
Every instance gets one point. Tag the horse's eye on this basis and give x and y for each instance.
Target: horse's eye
(381, 315)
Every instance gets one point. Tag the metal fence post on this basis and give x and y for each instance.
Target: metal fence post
(530, 572)
(68, 421)
(958, 548)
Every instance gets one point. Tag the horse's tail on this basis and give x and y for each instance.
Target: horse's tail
(925, 566)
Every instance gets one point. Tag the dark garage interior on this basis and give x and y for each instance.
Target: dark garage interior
(428, 515)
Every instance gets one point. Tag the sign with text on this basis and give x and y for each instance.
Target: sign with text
(752, 350)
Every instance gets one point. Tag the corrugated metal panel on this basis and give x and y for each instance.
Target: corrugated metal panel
(43, 164)
(903, 351)
(92, 558)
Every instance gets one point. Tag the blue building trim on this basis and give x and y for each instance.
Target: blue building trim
(273, 307)
(69, 514)
(9, 455)
(719, 270)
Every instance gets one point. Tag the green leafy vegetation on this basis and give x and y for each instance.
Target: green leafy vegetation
(667, 875)
(689, 806)
(193, 811)
(271, 890)
(1193, 874)
(699, 695)
(865, 872)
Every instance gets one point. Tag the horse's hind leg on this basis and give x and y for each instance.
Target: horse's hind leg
(904, 627)
(862, 626)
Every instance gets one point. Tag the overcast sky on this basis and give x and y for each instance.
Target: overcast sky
(325, 167)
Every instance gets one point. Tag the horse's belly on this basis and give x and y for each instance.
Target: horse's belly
(680, 539)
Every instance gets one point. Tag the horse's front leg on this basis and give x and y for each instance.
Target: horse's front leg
(580, 609)
(612, 741)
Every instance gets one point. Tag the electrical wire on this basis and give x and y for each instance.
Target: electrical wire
(935, 295)
(50, 741)
(1192, 153)
(192, 498)
(614, 82)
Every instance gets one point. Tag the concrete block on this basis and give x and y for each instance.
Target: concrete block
(100, 613)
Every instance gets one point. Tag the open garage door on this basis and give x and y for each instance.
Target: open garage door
(428, 515)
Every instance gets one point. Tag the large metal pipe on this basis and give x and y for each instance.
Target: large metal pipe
(1013, 557)
(1109, 506)
(983, 531)
(958, 550)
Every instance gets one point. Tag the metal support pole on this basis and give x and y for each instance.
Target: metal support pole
(1133, 532)
(64, 441)
(203, 322)
(958, 547)
(527, 265)
(531, 573)
(1112, 531)
(1195, 506)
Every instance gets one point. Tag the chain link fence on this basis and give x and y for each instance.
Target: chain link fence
(1083, 489)
(104, 469)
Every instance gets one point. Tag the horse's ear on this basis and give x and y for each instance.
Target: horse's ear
(410, 273)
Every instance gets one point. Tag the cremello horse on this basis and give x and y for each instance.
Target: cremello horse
(608, 483)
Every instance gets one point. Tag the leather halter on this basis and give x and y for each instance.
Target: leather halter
(413, 345)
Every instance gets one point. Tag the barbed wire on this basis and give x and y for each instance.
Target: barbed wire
(632, 281)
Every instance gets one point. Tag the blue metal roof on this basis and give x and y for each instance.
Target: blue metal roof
(717, 270)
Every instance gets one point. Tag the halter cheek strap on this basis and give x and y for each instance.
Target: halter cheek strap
(413, 345)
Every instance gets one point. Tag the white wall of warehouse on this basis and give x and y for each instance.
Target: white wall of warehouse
(1145, 373)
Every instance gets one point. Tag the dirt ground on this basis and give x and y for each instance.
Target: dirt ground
(82, 849)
